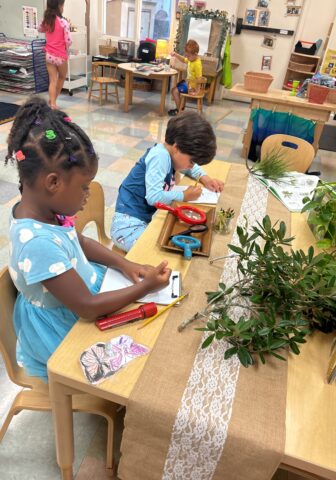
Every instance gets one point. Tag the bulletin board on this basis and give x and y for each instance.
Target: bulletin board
(329, 63)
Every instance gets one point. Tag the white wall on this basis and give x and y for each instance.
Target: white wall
(11, 16)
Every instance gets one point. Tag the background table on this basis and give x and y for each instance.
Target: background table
(311, 403)
(281, 101)
(131, 72)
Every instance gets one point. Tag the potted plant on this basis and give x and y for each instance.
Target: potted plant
(322, 214)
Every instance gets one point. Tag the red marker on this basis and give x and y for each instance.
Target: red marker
(144, 311)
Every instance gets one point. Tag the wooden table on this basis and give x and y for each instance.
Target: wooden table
(311, 403)
(281, 101)
(131, 72)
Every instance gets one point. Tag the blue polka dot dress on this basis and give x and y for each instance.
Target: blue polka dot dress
(39, 251)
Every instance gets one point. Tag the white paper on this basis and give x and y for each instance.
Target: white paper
(30, 22)
(115, 280)
(292, 188)
(207, 196)
(199, 30)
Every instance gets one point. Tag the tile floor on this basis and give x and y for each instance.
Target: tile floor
(27, 451)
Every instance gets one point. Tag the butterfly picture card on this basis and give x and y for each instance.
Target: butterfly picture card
(102, 360)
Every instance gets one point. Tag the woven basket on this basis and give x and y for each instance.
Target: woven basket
(106, 50)
(317, 93)
(331, 98)
(303, 67)
(257, 81)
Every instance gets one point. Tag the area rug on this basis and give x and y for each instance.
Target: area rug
(7, 112)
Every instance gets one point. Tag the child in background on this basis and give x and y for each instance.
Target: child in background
(57, 271)
(189, 143)
(194, 71)
(58, 41)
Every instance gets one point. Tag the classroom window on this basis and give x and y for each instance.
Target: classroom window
(155, 20)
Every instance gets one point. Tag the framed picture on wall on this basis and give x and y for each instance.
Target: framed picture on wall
(262, 4)
(293, 11)
(264, 18)
(266, 62)
(250, 17)
(268, 41)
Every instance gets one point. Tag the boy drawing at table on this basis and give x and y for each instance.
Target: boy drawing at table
(57, 271)
(189, 143)
(194, 72)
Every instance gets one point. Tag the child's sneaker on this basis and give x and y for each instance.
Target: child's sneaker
(173, 112)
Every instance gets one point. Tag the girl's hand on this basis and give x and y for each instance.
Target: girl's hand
(212, 184)
(192, 193)
(172, 54)
(158, 277)
(137, 272)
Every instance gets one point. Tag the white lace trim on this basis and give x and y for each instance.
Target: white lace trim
(201, 424)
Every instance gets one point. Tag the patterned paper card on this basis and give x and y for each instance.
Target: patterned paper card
(102, 360)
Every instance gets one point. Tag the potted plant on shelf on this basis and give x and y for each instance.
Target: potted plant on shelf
(322, 214)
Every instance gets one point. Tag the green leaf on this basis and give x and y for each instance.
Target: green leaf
(230, 352)
(245, 357)
(208, 341)
(236, 249)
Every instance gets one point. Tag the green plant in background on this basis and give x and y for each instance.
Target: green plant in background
(272, 167)
(322, 216)
(283, 295)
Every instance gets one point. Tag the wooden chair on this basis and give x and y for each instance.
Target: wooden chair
(201, 91)
(104, 74)
(35, 393)
(298, 153)
(94, 211)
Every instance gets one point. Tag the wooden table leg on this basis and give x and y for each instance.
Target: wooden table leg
(163, 95)
(317, 134)
(131, 88)
(61, 403)
(127, 90)
(212, 89)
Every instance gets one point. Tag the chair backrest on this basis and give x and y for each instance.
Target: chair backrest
(298, 153)
(201, 84)
(94, 211)
(104, 70)
(8, 295)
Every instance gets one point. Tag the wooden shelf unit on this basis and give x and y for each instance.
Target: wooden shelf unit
(298, 68)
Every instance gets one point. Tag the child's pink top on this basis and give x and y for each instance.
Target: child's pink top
(58, 41)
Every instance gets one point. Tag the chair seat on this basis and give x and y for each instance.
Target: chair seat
(105, 80)
(189, 95)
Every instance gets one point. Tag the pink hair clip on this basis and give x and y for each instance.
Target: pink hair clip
(19, 155)
(67, 119)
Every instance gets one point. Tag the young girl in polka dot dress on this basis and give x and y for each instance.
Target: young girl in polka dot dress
(58, 41)
(57, 271)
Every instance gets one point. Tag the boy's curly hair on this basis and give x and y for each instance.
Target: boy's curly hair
(192, 135)
(192, 47)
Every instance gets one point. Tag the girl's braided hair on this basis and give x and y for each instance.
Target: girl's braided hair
(47, 139)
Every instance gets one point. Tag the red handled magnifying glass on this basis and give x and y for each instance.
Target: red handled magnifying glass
(185, 213)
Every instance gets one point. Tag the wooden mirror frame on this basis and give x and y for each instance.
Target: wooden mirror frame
(219, 27)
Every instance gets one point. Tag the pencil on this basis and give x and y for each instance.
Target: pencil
(149, 320)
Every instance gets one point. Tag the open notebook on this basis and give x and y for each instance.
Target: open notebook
(115, 280)
(207, 196)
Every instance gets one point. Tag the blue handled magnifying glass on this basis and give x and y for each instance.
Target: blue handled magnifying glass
(188, 244)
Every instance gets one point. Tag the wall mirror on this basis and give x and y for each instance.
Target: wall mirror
(207, 27)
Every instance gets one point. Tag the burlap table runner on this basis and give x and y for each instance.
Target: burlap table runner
(172, 429)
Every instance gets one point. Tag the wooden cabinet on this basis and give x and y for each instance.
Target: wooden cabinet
(300, 67)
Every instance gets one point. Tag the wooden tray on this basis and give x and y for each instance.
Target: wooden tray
(173, 226)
